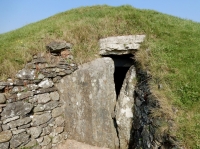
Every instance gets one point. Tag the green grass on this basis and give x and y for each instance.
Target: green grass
(173, 58)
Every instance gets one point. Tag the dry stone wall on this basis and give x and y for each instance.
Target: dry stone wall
(30, 106)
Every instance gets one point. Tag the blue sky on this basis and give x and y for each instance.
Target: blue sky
(17, 13)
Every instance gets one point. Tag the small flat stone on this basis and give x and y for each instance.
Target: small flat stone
(39, 108)
(18, 89)
(45, 90)
(32, 87)
(57, 112)
(56, 139)
(51, 105)
(15, 132)
(39, 140)
(59, 121)
(43, 98)
(16, 108)
(5, 136)
(58, 130)
(46, 141)
(6, 83)
(2, 87)
(4, 145)
(46, 130)
(20, 122)
(47, 83)
(41, 119)
(54, 96)
(35, 131)
(31, 144)
(56, 47)
(20, 82)
(26, 74)
(18, 139)
(5, 127)
(24, 126)
(39, 60)
(24, 95)
(10, 119)
(2, 98)
(47, 146)
(40, 76)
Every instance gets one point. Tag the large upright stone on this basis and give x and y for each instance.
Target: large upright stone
(89, 100)
(124, 106)
(120, 45)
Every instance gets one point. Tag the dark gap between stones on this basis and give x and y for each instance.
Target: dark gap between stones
(122, 64)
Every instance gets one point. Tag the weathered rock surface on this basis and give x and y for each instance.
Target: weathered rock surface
(46, 83)
(89, 99)
(41, 119)
(2, 98)
(17, 140)
(16, 108)
(20, 122)
(57, 112)
(35, 131)
(43, 98)
(26, 74)
(55, 46)
(124, 108)
(120, 45)
(4, 145)
(5, 136)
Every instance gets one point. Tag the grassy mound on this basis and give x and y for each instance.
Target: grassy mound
(171, 52)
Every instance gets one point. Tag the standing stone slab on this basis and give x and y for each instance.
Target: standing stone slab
(89, 99)
(16, 108)
(124, 106)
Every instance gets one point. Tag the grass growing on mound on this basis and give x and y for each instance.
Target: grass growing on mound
(173, 55)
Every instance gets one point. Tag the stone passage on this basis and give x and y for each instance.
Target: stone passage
(121, 49)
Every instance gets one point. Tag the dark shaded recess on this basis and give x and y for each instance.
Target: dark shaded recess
(122, 64)
(119, 75)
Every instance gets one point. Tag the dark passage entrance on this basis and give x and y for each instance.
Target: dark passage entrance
(119, 76)
(122, 65)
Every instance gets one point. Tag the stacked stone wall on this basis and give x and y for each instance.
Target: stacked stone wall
(31, 112)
